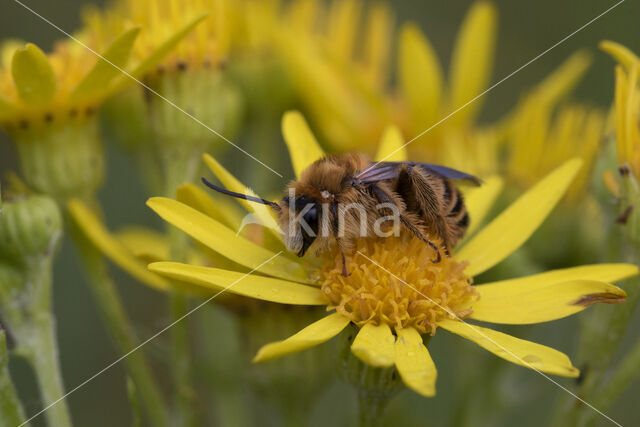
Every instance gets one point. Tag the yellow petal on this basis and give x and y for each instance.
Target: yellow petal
(343, 17)
(391, 148)
(249, 285)
(377, 43)
(414, 363)
(374, 345)
(472, 60)
(96, 232)
(620, 53)
(420, 77)
(33, 75)
(316, 333)
(261, 212)
(6, 107)
(163, 49)
(144, 243)
(521, 352)
(107, 67)
(303, 147)
(514, 225)
(562, 80)
(219, 209)
(534, 302)
(224, 241)
(479, 200)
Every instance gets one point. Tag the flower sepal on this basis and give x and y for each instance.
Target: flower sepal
(30, 228)
(62, 160)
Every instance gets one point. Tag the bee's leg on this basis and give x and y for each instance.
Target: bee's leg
(419, 235)
(383, 197)
(344, 265)
(335, 229)
(425, 190)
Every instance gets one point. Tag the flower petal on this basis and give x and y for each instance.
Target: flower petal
(6, 107)
(414, 363)
(516, 224)
(561, 81)
(377, 44)
(472, 60)
(33, 75)
(163, 49)
(107, 68)
(314, 334)
(224, 241)
(521, 352)
(144, 243)
(249, 285)
(303, 147)
(620, 53)
(220, 209)
(391, 148)
(261, 212)
(479, 200)
(420, 77)
(536, 302)
(96, 232)
(374, 345)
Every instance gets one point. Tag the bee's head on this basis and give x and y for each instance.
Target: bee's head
(299, 216)
(299, 219)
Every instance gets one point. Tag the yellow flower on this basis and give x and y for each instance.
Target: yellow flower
(204, 26)
(394, 293)
(38, 89)
(332, 60)
(542, 132)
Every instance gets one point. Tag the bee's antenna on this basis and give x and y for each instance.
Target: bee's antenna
(239, 195)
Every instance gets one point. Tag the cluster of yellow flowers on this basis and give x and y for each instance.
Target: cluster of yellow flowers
(196, 67)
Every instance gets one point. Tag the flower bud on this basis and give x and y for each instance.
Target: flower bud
(203, 93)
(30, 226)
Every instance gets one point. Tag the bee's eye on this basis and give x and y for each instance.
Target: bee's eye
(311, 216)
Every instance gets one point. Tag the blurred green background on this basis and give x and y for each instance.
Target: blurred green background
(526, 29)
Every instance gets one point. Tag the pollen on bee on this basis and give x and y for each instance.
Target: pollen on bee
(401, 287)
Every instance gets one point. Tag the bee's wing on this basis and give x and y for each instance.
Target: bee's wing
(389, 170)
(446, 172)
(380, 172)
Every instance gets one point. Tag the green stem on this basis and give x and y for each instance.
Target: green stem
(119, 327)
(43, 356)
(11, 413)
(627, 371)
(371, 408)
(180, 169)
(34, 327)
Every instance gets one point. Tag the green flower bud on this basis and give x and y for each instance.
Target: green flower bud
(30, 226)
(62, 159)
(203, 93)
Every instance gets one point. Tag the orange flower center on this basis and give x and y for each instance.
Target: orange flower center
(393, 280)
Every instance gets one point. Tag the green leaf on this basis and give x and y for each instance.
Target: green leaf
(107, 68)
(33, 75)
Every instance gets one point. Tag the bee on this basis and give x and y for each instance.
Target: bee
(319, 209)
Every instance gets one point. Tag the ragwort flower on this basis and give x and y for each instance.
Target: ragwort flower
(323, 58)
(194, 100)
(395, 294)
(48, 105)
